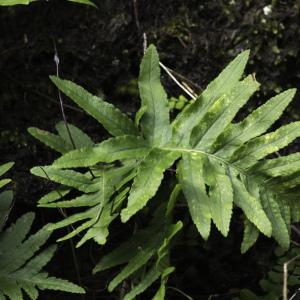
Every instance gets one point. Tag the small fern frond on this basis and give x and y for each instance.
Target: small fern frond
(20, 267)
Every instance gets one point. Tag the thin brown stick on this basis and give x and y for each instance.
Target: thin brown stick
(176, 81)
(168, 71)
(56, 60)
(285, 277)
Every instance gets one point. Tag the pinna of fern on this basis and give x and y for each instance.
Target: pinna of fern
(219, 163)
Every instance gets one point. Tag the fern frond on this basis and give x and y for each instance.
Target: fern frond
(219, 164)
(53, 196)
(20, 268)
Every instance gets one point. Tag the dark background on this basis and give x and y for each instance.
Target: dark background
(101, 49)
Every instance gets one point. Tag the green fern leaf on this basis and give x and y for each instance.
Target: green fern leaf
(254, 125)
(119, 148)
(190, 173)
(124, 252)
(282, 166)
(247, 155)
(70, 178)
(20, 269)
(4, 182)
(193, 113)
(152, 275)
(62, 142)
(251, 234)
(221, 113)
(53, 196)
(285, 211)
(251, 207)
(99, 206)
(220, 195)
(279, 229)
(110, 117)
(15, 2)
(142, 257)
(160, 294)
(148, 175)
(99, 230)
(155, 122)
(53, 141)
(5, 167)
(87, 200)
(79, 138)
(163, 251)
